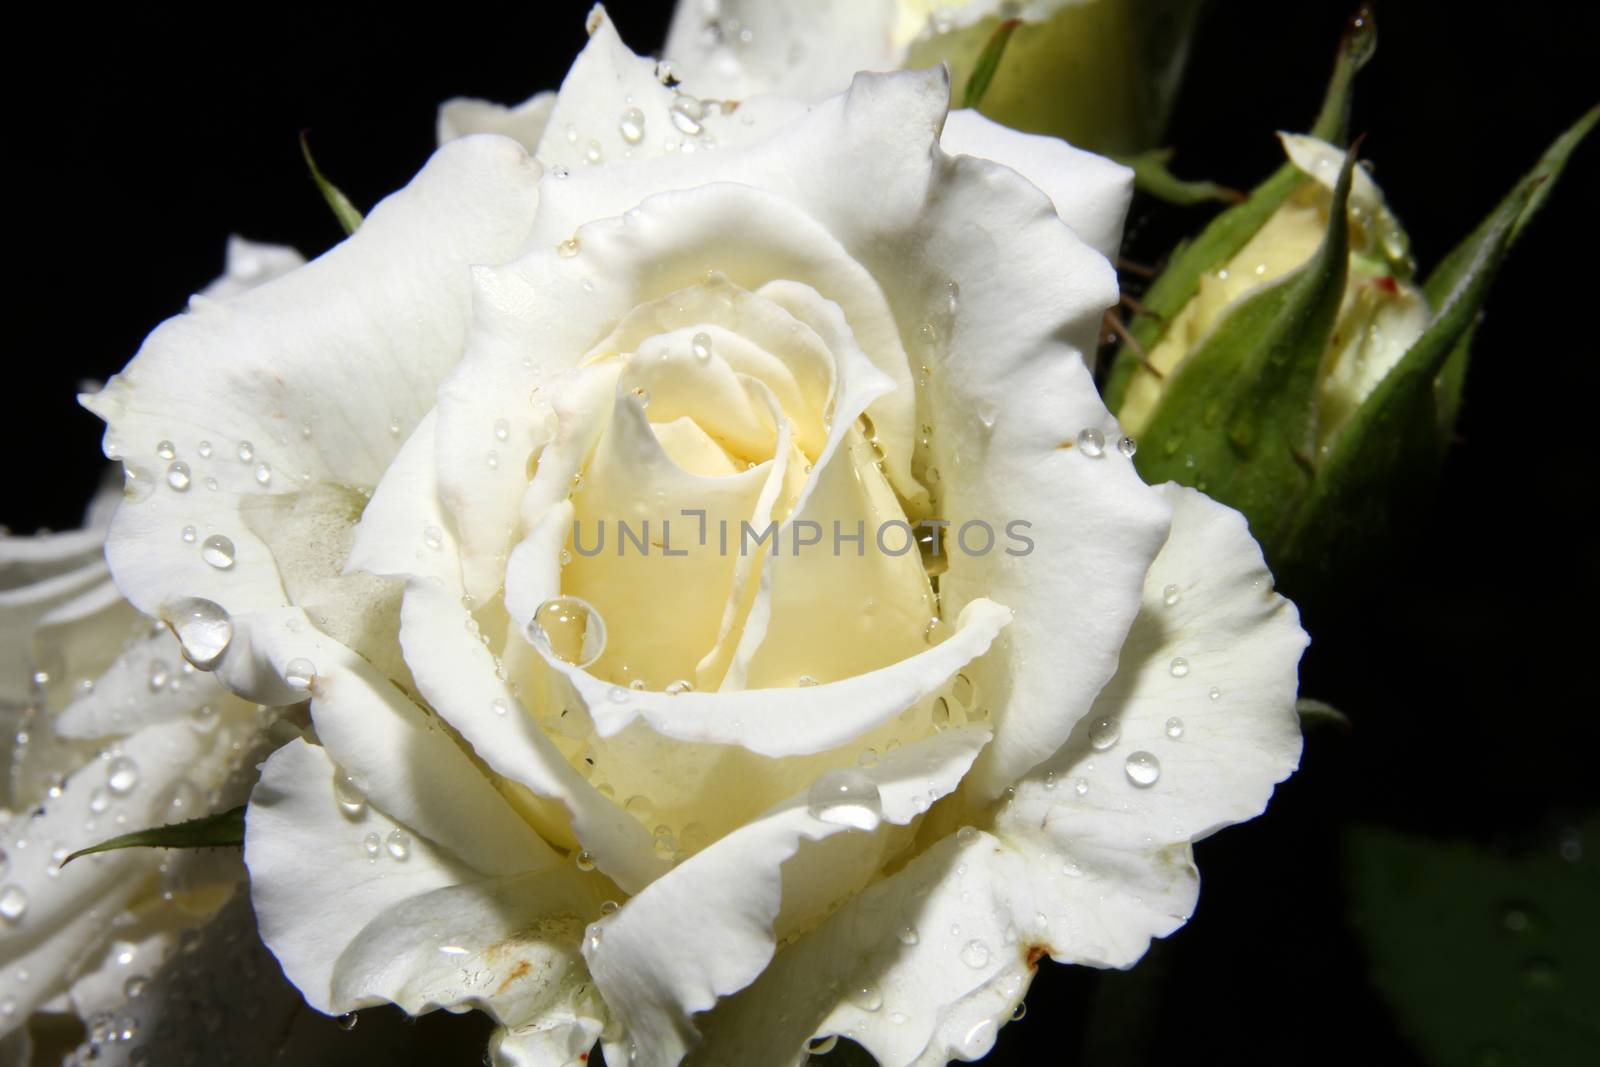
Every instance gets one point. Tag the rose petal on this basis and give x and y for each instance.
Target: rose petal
(524, 123)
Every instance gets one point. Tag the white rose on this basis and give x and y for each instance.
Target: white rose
(760, 809)
(106, 730)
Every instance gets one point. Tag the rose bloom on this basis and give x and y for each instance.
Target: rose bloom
(701, 803)
(106, 729)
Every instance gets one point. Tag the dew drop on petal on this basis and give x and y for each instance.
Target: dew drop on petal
(352, 801)
(189, 533)
(166, 450)
(907, 935)
(218, 551)
(632, 125)
(178, 477)
(570, 629)
(1170, 595)
(122, 774)
(398, 844)
(1215, 694)
(203, 628)
(1127, 446)
(846, 798)
(1092, 443)
(584, 859)
(1104, 732)
(975, 953)
(433, 537)
(866, 996)
(700, 346)
(1174, 727)
(299, 672)
(679, 687)
(246, 452)
(1143, 769)
(1080, 786)
(13, 904)
(371, 845)
(205, 450)
(1179, 667)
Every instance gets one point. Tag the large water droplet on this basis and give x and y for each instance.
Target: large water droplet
(866, 996)
(1104, 732)
(632, 125)
(570, 629)
(700, 345)
(13, 904)
(975, 953)
(1092, 443)
(1143, 769)
(846, 798)
(686, 113)
(299, 672)
(218, 551)
(203, 628)
(352, 801)
(398, 844)
(247, 452)
(166, 450)
(178, 476)
(1170, 595)
(122, 774)
(1127, 446)
(1179, 667)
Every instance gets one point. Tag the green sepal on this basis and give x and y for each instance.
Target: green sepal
(1230, 231)
(1389, 451)
(988, 62)
(1152, 177)
(1237, 418)
(222, 830)
(1542, 180)
(343, 210)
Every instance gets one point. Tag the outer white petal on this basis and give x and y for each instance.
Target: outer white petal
(608, 82)
(250, 264)
(524, 123)
(53, 934)
(707, 929)
(148, 683)
(807, 49)
(1091, 193)
(350, 347)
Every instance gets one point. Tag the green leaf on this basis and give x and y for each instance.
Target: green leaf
(1237, 419)
(1226, 234)
(988, 62)
(226, 828)
(343, 209)
(1541, 180)
(1151, 176)
(1484, 958)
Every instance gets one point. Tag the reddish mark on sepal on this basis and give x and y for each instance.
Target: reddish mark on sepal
(1387, 284)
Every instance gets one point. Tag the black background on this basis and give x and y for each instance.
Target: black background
(140, 139)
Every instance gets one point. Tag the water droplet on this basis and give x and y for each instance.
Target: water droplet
(570, 629)
(178, 476)
(1174, 727)
(13, 904)
(609, 907)
(160, 674)
(218, 551)
(398, 844)
(1127, 446)
(263, 474)
(1092, 443)
(370, 845)
(592, 934)
(700, 345)
(205, 450)
(1143, 769)
(1020, 1012)
(347, 1021)
(1170, 595)
(299, 672)
(682, 685)
(846, 798)
(1179, 667)
(433, 537)
(352, 801)
(686, 113)
(122, 774)
(203, 628)
(166, 450)
(592, 153)
(246, 452)
(1104, 732)
(632, 125)
(134, 987)
(189, 533)
(866, 996)
(568, 248)
(502, 430)
(584, 860)
(499, 706)
(940, 714)
(908, 935)
(975, 953)
(805, 681)
(1080, 786)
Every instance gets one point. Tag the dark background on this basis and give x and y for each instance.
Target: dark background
(1465, 663)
